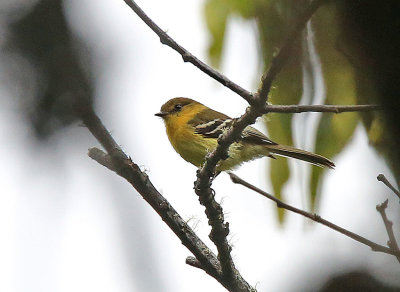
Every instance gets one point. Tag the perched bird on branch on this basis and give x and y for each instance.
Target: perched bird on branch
(193, 130)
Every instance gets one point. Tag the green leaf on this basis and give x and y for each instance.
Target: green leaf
(334, 131)
(287, 88)
(216, 14)
(273, 18)
(287, 91)
(279, 129)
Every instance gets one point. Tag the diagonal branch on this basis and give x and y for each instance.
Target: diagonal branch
(283, 54)
(223, 268)
(220, 229)
(392, 243)
(280, 204)
(187, 56)
(383, 179)
(206, 173)
(117, 161)
(214, 212)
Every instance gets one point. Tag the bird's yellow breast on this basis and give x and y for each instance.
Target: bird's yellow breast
(194, 147)
(191, 146)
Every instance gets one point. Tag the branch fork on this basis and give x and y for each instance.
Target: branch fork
(220, 267)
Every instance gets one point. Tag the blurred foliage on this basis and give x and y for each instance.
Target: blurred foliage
(340, 89)
(370, 41)
(41, 38)
(356, 281)
(345, 83)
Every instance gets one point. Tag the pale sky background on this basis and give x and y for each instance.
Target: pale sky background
(69, 224)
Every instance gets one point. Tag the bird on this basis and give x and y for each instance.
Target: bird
(193, 130)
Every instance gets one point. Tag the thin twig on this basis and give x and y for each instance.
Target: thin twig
(187, 56)
(219, 229)
(337, 109)
(374, 246)
(392, 243)
(205, 259)
(122, 165)
(207, 172)
(383, 179)
(283, 54)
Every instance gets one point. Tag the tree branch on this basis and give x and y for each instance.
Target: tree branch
(337, 109)
(383, 179)
(117, 161)
(207, 172)
(192, 261)
(180, 228)
(187, 56)
(280, 204)
(219, 229)
(283, 54)
(392, 243)
(214, 212)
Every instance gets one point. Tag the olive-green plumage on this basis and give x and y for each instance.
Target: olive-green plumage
(193, 130)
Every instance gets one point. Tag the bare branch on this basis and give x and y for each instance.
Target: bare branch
(374, 246)
(118, 162)
(223, 268)
(214, 212)
(192, 261)
(101, 157)
(392, 243)
(219, 230)
(383, 179)
(207, 172)
(187, 56)
(283, 54)
(337, 109)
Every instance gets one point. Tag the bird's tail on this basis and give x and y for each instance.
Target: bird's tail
(288, 151)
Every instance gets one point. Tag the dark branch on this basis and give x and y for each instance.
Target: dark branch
(383, 179)
(283, 54)
(374, 246)
(207, 172)
(214, 213)
(392, 243)
(192, 261)
(187, 56)
(117, 161)
(101, 157)
(337, 109)
(181, 229)
(96, 127)
(220, 229)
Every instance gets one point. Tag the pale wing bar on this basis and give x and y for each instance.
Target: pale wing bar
(215, 128)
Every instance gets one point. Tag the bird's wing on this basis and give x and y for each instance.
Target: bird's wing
(253, 136)
(211, 124)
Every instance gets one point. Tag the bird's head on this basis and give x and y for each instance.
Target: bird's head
(176, 106)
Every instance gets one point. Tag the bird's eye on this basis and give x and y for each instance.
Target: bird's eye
(178, 107)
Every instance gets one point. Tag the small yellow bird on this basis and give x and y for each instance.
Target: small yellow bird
(193, 130)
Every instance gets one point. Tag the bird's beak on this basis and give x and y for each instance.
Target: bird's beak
(161, 114)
